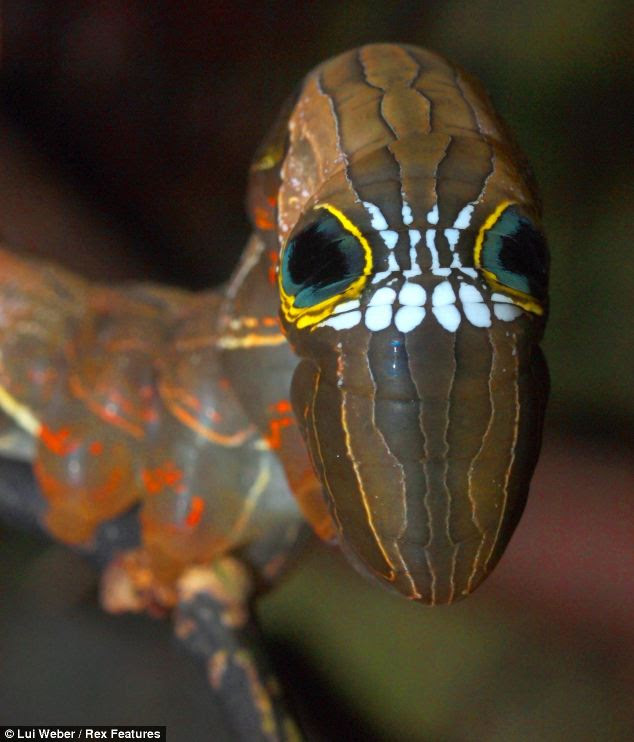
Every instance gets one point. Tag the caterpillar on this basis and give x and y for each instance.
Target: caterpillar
(372, 367)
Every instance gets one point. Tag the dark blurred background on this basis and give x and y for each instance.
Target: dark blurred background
(127, 130)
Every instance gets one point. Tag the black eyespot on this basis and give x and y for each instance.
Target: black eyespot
(321, 262)
(515, 252)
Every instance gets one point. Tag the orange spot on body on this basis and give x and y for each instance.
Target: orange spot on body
(263, 219)
(96, 448)
(274, 438)
(272, 273)
(283, 406)
(195, 511)
(167, 475)
(58, 441)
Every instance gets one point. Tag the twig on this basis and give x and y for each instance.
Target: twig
(213, 619)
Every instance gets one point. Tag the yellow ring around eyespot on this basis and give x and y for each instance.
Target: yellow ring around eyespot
(526, 301)
(307, 316)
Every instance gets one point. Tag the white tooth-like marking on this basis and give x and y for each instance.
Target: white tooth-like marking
(342, 321)
(448, 316)
(378, 317)
(469, 293)
(346, 306)
(432, 216)
(414, 269)
(384, 295)
(376, 217)
(443, 294)
(463, 220)
(430, 241)
(506, 312)
(412, 295)
(390, 237)
(473, 306)
(407, 318)
(378, 277)
(392, 267)
(452, 237)
(406, 213)
(471, 272)
(477, 313)
(501, 297)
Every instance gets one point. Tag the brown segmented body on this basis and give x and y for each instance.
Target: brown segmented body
(422, 420)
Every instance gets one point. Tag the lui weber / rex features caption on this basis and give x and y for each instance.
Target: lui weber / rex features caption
(82, 732)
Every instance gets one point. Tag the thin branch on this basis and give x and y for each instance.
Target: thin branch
(213, 619)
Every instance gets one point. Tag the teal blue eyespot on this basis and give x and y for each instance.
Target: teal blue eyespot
(513, 256)
(327, 261)
(320, 262)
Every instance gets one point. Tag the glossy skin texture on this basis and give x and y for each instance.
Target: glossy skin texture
(423, 422)
(120, 397)
(412, 287)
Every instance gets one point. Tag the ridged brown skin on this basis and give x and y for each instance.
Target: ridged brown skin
(412, 288)
(424, 440)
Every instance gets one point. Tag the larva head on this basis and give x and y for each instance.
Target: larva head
(412, 282)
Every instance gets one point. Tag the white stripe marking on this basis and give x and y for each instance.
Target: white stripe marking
(463, 220)
(392, 267)
(430, 241)
(471, 272)
(377, 219)
(390, 237)
(452, 237)
(414, 269)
